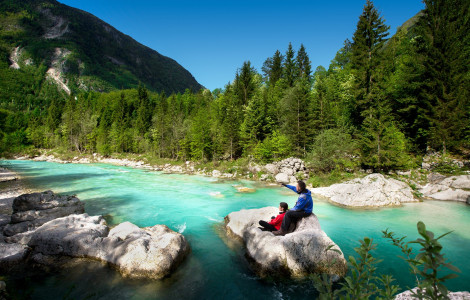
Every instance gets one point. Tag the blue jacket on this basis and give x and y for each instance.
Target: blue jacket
(304, 202)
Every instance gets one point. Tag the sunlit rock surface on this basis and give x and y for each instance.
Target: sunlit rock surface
(151, 252)
(373, 190)
(296, 254)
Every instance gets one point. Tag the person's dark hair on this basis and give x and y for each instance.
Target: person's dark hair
(303, 186)
(284, 206)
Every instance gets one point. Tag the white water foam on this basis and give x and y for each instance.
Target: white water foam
(181, 228)
(216, 194)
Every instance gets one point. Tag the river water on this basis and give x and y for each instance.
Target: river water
(216, 267)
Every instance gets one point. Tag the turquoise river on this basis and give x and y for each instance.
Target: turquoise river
(216, 267)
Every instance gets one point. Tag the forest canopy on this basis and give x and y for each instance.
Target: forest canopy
(381, 101)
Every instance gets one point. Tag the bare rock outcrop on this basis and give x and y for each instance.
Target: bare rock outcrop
(407, 295)
(287, 170)
(373, 190)
(454, 188)
(296, 254)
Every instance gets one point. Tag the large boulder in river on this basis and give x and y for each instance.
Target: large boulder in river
(454, 188)
(296, 254)
(33, 210)
(151, 252)
(373, 190)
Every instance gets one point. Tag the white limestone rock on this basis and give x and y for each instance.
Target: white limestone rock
(298, 254)
(283, 178)
(373, 190)
(151, 252)
(452, 295)
(454, 188)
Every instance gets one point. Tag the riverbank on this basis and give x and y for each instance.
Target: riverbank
(424, 182)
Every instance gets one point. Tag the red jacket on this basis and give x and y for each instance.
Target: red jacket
(276, 222)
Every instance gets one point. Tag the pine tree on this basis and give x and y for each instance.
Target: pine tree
(244, 82)
(296, 117)
(304, 68)
(290, 66)
(272, 68)
(366, 57)
(443, 27)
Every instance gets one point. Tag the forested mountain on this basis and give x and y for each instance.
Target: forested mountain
(42, 39)
(382, 103)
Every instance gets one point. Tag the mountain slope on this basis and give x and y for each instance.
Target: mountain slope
(81, 52)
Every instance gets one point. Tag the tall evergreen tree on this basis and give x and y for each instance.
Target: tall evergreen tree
(272, 68)
(446, 52)
(296, 116)
(290, 66)
(366, 57)
(244, 82)
(304, 68)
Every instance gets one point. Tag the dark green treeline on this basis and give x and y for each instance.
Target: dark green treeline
(381, 101)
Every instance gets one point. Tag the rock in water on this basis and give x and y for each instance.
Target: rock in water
(151, 252)
(297, 254)
(373, 190)
(33, 210)
(454, 188)
(144, 252)
(452, 295)
(11, 255)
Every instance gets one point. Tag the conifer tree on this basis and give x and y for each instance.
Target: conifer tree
(272, 68)
(290, 66)
(296, 117)
(244, 82)
(304, 68)
(446, 53)
(366, 57)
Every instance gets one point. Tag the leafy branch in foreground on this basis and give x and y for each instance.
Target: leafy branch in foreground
(428, 262)
(363, 283)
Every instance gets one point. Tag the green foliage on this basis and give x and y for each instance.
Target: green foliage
(364, 283)
(426, 264)
(333, 149)
(391, 99)
(275, 147)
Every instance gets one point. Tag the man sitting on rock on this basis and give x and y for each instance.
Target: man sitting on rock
(303, 208)
(275, 223)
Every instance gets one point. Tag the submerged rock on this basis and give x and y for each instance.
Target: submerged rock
(297, 254)
(373, 190)
(151, 252)
(33, 210)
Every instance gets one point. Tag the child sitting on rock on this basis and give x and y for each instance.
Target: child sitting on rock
(275, 222)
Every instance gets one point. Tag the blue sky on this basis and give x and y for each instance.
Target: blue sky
(212, 39)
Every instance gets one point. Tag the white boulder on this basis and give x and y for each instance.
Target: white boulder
(407, 295)
(298, 254)
(151, 252)
(282, 177)
(373, 190)
(454, 188)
